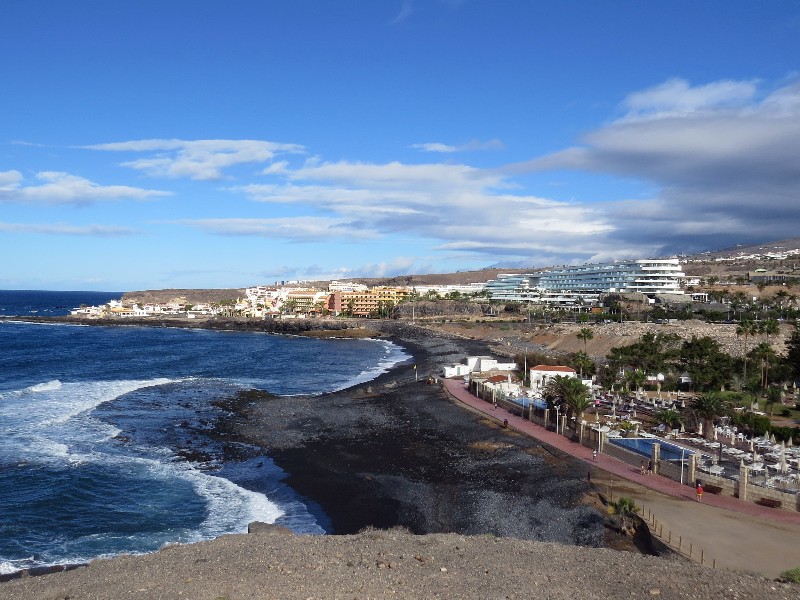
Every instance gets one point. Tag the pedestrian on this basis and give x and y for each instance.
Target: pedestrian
(594, 455)
(699, 492)
(641, 468)
(649, 467)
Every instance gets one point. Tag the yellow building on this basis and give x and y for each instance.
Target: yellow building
(377, 302)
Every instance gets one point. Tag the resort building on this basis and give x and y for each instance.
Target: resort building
(370, 303)
(586, 283)
(540, 375)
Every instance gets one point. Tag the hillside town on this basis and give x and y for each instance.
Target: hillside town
(651, 287)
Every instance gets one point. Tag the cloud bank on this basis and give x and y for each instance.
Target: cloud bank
(203, 160)
(722, 157)
(63, 188)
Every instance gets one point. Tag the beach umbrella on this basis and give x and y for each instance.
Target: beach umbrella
(789, 443)
(772, 439)
(784, 467)
(751, 444)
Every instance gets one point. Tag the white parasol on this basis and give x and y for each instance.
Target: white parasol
(782, 464)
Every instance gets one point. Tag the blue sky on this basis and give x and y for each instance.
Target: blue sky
(154, 144)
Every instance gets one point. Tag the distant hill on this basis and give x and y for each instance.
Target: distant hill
(182, 295)
(780, 255)
(751, 250)
(457, 278)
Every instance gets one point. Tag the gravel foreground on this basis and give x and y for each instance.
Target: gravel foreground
(389, 564)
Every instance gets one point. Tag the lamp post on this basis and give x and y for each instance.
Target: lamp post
(525, 372)
(683, 452)
(556, 418)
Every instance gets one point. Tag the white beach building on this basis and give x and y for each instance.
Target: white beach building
(540, 375)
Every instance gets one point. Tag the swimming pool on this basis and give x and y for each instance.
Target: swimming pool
(644, 447)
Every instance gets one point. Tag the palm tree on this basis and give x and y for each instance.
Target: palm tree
(568, 391)
(581, 360)
(635, 378)
(773, 396)
(707, 407)
(585, 334)
(626, 509)
(554, 390)
(746, 328)
(769, 327)
(668, 417)
(766, 354)
(576, 396)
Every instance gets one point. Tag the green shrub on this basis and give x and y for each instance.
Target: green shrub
(786, 412)
(792, 575)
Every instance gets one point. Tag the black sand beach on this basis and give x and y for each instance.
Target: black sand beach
(398, 452)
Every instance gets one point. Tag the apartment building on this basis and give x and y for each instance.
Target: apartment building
(366, 303)
(569, 285)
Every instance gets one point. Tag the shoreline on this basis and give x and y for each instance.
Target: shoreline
(397, 452)
(394, 452)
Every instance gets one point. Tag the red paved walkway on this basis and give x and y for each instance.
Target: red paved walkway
(609, 464)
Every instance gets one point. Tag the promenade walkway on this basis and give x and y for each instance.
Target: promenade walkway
(736, 534)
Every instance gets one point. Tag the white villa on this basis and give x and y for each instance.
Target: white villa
(540, 375)
(476, 364)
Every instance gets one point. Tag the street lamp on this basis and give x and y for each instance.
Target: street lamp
(556, 418)
(683, 452)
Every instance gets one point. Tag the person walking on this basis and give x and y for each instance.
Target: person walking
(699, 492)
(594, 455)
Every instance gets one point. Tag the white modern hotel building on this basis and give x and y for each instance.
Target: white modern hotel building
(586, 283)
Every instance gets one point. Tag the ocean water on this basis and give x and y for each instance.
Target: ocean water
(48, 303)
(99, 445)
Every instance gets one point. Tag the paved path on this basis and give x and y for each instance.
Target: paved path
(738, 535)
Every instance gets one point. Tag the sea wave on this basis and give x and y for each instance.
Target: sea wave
(393, 355)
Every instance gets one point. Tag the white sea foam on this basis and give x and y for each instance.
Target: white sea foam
(7, 567)
(392, 355)
(53, 419)
(230, 507)
(43, 387)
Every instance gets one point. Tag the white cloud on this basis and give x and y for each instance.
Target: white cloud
(400, 265)
(197, 159)
(405, 12)
(445, 203)
(305, 229)
(677, 96)
(469, 146)
(63, 188)
(65, 229)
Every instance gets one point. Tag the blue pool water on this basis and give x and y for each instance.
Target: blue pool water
(644, 446)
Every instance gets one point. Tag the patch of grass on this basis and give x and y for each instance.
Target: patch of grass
(792, 575)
